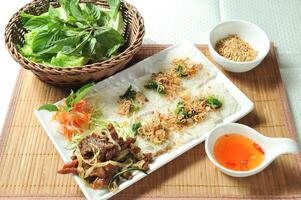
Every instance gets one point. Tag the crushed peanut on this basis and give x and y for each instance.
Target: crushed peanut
(234, 48)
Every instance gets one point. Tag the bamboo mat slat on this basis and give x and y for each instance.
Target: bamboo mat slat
(29, 160)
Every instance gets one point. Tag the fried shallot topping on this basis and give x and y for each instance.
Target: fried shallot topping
(131, 101)
(183, 69)
(165, 83)
(155, 130)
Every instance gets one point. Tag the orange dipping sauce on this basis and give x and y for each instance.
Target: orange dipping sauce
(238, 152)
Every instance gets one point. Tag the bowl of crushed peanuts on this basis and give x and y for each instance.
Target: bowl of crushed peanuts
(237, 45)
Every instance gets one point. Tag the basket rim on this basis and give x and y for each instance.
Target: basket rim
(88, 68)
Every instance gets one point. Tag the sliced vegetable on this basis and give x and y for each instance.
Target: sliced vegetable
(123, 130)
(72, 122)
(74, 116)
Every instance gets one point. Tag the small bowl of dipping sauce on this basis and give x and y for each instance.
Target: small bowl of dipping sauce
(240, 151)
(237, 152)
(237, 45)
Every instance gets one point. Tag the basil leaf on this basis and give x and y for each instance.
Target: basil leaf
(82, 92)
(109, 39)
(78, 48)
(99, 53)
(69, 101)
(75, 10)
(95, 11)
(114, 6)
(48, 107)
(55, 35)
(40, 41)
(37, 22)
(68, 41)
(117, 23)
(51, 50)
(78, 96)
(58, 45)
(90, 48)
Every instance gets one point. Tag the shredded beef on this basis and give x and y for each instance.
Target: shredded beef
(89, 144)
(101, 176)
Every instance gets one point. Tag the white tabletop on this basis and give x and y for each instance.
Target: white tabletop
(168, 22)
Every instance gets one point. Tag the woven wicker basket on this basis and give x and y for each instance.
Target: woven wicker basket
(134, 32)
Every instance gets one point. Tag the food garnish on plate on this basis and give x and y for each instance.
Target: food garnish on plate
(131, 101)
(184, 69)
(165, 83)
(155, 130)
(74, 113)
(191, 111)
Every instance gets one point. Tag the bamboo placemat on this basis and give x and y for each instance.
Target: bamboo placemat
(29, 160)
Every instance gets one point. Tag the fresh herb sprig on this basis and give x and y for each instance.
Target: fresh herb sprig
(153, 85)
(73, 34)
(72, 99)
(180, 71)
(135, 127)
(129, 94)
(213, 102)
(180, 110)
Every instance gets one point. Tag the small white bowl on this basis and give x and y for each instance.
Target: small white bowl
(247, 31)
(272, 147)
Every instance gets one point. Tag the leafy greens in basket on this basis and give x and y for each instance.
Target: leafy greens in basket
(73, 34)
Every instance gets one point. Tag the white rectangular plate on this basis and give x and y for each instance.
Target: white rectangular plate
(183, 49)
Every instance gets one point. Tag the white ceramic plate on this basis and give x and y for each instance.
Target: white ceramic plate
(183, 49)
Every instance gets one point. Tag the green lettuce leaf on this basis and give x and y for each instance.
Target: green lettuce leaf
(62, 60)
